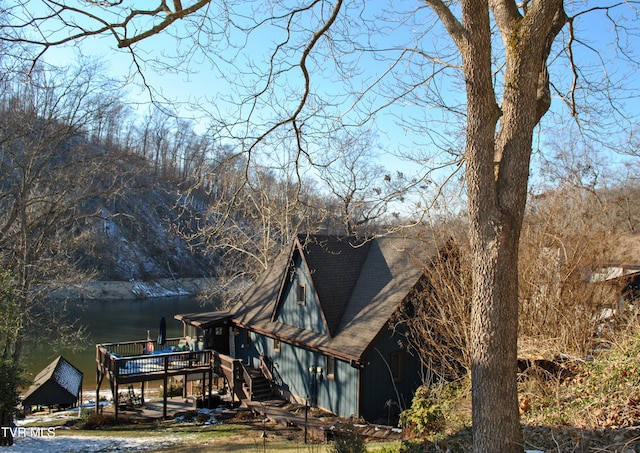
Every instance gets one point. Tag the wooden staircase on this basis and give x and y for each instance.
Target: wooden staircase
(245, 383)
(258, 387)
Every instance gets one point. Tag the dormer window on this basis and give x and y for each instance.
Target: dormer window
(302, 294)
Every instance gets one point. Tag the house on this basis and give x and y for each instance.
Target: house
(317, 325)
(58, 384)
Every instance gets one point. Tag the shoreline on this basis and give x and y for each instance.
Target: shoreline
(118, 290)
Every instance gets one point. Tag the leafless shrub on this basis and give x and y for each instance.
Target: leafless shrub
(436, 316)
(563, 308)
(568, 302)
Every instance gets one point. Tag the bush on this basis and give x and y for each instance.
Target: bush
(93, 420)
(348, 441)
(431, 407)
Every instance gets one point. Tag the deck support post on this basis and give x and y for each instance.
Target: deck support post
(99, 378)
(116, 403)
(202, 390)
(164, 400)
(184, 385)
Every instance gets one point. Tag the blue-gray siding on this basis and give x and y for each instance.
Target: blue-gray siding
(291, 370)
(381, 394)
(305, 315)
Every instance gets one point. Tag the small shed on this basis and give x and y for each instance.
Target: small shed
(58, 384)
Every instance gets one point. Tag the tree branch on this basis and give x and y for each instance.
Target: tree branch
(179, 13)
(452, 24)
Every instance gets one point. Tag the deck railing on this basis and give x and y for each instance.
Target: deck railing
(127, 358)
(129, 348)
(125, 362)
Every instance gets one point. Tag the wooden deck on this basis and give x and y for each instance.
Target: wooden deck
(125, 363)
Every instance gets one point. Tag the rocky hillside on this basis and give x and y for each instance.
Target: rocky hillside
(137, 240)
(130, 231)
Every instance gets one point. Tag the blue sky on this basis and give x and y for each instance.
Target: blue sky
(202, 77)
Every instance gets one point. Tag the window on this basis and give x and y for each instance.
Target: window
(396, 360)
(248, 338)
(276, 345)
(302, 293)
(219, 331)
(330, 367)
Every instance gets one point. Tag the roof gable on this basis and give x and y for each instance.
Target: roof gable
(58, 383)
(331, 265)
(358, 286)
(335, 264)
(389, 274)
(297, 304)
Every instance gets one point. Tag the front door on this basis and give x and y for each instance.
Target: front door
(219, 339)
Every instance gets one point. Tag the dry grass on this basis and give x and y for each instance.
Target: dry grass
(603, 393)
(572, 406)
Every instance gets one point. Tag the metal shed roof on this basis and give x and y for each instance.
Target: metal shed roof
(58, 383)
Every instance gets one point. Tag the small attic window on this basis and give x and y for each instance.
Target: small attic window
(301, 294)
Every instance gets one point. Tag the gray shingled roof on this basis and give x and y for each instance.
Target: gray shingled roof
(58, 383)
(334, 263)
(359, 286)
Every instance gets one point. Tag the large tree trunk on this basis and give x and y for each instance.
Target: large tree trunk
(494, 242)
(494, 326)
(497, 174)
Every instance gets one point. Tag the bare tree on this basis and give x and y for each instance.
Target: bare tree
(496, 54)
(49, 180)
(566, 237)
(362, 189)
(251, 213)
(436, 319)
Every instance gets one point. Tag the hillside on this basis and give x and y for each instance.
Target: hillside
(135, 239)
(71, 211)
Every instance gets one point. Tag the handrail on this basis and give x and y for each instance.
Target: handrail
(264, 367)
(247, 379)
(226, 365)
(136, 347)
(151, 363)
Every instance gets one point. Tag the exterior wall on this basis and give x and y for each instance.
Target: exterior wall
(383, 397)
(50, 394)
(217, 338)
(248, 347)
(290, 368)
(307, 314)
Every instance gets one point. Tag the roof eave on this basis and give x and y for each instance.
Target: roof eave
(352, 359)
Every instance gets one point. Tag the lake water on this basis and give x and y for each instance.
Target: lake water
(110, 321)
